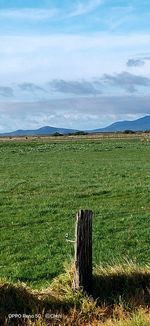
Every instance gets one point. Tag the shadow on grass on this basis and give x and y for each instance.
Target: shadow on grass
(132, 290)
(19, 300)
(110, 288)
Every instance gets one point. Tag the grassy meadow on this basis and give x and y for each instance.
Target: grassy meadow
(44, 182)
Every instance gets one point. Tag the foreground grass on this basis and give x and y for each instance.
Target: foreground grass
(43, 183)
(121, 297)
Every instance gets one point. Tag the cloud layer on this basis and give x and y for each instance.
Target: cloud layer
(74, 87)
(112, 84)
(127, 81)
(135, 63)
(80, 113)
(80, 64)
(6, 91)
(31, 87)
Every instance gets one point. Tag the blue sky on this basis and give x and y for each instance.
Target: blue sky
(78, 64)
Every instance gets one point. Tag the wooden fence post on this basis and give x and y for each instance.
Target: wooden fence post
(83, 251)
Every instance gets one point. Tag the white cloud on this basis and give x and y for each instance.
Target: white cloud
(32, 14)
(39, 59)
(82, 8)
(78, 8)
(118, 16)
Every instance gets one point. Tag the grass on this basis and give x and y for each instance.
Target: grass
(44, 182)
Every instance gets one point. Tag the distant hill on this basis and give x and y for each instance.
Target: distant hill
(141, 124)
(47, 130)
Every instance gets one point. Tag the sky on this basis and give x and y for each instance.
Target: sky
(80, 64)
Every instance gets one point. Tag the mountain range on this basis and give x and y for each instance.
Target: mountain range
(141, 124)
(47, 130)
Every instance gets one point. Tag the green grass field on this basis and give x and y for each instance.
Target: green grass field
(43, 183)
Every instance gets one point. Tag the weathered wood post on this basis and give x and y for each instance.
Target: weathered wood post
(83, 251)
